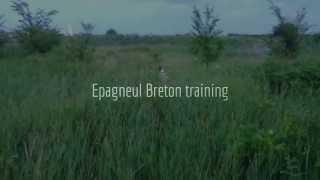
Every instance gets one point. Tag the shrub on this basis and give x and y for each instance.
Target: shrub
(112, 36)
(3, 37)
(111, 32)
(35, 31)
(284, 77)
(289, 38)
(317, 38)
(285, 150)
(288, 34)
(206, 44)
(79, 46)
(3, 34)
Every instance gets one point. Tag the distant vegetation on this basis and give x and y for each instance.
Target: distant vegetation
(111, 32)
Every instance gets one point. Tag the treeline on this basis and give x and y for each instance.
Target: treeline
(36, 33)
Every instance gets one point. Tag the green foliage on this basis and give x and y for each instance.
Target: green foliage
(51, 127)
(35, 31)
(36, 39)
(3, 37)
(288, 147)
(317, 38)
(206, 44)
(283, 77)
(3, 34)
(11, 50)
(287, 36)
(113, 37)
(79, 47)
(111, 32)
(288, 39)
(71, 136)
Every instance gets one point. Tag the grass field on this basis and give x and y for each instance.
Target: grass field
(51, 127)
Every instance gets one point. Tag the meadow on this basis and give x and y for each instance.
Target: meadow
(51, 128)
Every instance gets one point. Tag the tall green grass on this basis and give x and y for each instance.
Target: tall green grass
(51, 128)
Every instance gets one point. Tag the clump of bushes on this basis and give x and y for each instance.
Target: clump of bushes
(3, 34)
(206, 44)
(287, 151)
(288, 34)
(317, 38)
(79, 46)
(287, 37)
(112, 35)
(283, 77)
(35, 31)
(3, 37)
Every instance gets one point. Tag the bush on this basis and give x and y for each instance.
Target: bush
(111, 32)
(283, 77)
(286, 150)
(35, 31)
(288, 34)
(112, 36)
(317, 38)
(288, 39)
(3, 34)
(3, 38)
(38, 40)
(206, 44)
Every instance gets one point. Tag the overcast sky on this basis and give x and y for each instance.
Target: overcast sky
(165, 16)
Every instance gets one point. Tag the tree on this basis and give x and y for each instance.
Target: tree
(111, 32)
(35, 31)
(112, 35)
(3, 34)
(288, 34)
(206, 44)
(1, 22)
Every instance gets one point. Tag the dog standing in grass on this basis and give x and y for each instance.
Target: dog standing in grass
(163, 75)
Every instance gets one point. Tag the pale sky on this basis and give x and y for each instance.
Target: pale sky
(165, 16)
